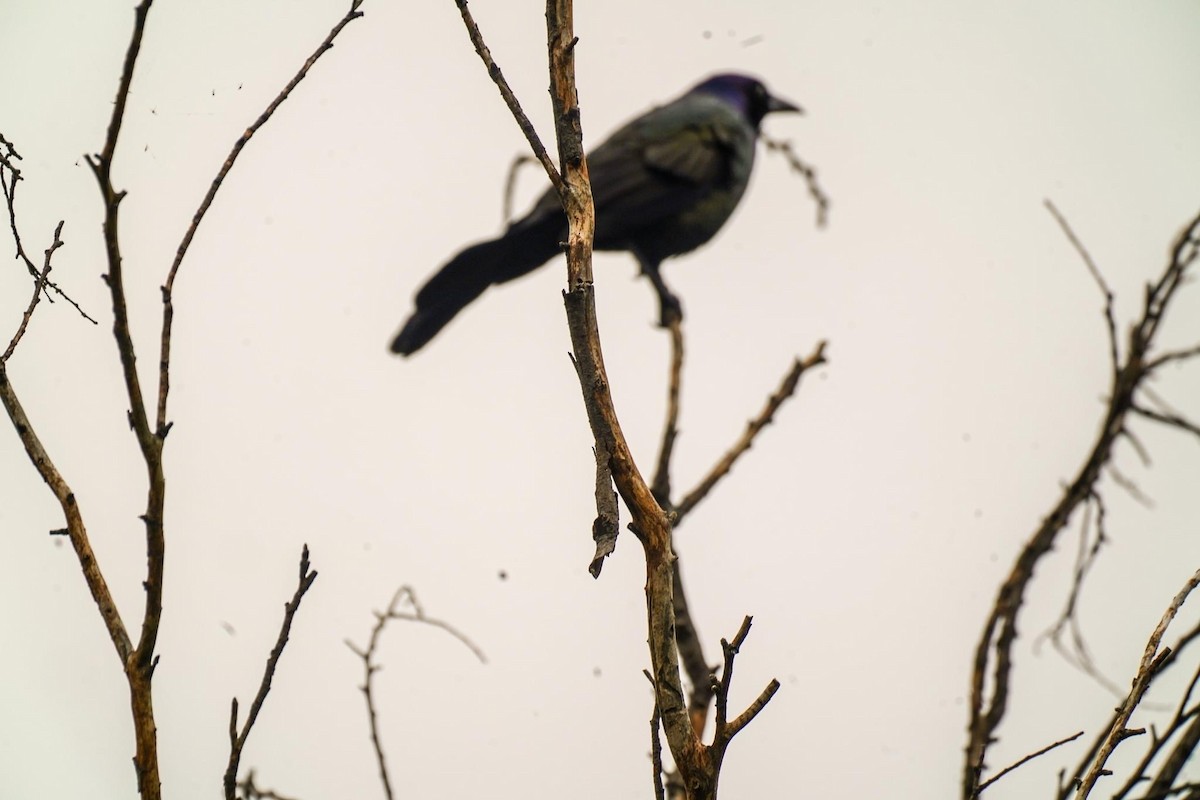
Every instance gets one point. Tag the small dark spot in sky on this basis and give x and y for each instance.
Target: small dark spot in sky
(707, 34)
(966, 437)
(225, 626)
(502, 575)
(753, 40)
(596, 672)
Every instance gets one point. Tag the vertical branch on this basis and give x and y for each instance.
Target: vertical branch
(237, 741)
(139, 664)
(649, 519)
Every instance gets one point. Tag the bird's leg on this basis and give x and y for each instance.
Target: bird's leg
(669, 308)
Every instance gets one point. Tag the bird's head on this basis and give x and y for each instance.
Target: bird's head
(747, 95)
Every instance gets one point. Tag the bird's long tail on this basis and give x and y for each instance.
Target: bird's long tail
(521, 250)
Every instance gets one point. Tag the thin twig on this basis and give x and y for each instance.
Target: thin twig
(992, 667)
(164, 360)
(1174, 420)
(237, 741)
(725, 731)
(1148, 668)
(514, 106)
(787, 388)
(806, 170)
(8, 185)
(38, 284)
(1109, 314)
(691, 653)
(655, 743)
(1024, 761)
(661, 486)
(403, 595)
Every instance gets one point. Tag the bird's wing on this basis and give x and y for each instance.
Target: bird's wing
(654, 168)
(658, 166)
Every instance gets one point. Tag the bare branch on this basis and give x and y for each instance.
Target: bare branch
(514, 106)
(1025, 760)
(403, 595)
(661, 486)
(806, 170)
(1174, 355)
(786, 389)
(164, 383)
(237, 741)
(1148, 668)
(1109, 314)
(1174, 420)
(40, 281)
(655, 743)
(76, 531)
(993, 654)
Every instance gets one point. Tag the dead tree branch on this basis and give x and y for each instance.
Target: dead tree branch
(404, 595)
(1152, 661)
(993, 655)
(237, 740)
(168, 289)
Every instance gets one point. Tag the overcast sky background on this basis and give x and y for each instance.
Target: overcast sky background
(867, 531)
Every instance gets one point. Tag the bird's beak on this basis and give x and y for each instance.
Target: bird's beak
(775, 104)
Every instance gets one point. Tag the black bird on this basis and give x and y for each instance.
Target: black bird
(663, 185)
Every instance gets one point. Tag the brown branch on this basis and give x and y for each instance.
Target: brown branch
(806, 171)
(655, 743)
(164, 359)
(697, 766)
(661, 486)
(993, 654)
(1148, 667)
(76, 530)
(139, 665)
(691, 653)
(1075, 651)
(514, 106)
(1173, 420)
(39, 282)
(1025, 760)
(251, 792)
(403, 595)
(8, 186)
(1174, 355)
(786, 389)
(237, 740)
(725, 731)
(1179, 754)
(1110, 319)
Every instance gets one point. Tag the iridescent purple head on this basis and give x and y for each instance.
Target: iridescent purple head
(748, 95)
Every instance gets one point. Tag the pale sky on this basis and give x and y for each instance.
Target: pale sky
(868, 529)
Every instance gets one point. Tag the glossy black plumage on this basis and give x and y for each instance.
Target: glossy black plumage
(663, 185)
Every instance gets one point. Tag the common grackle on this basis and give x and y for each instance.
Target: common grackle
(663, 185)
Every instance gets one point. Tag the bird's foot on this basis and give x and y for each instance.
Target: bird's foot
(670, 310)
